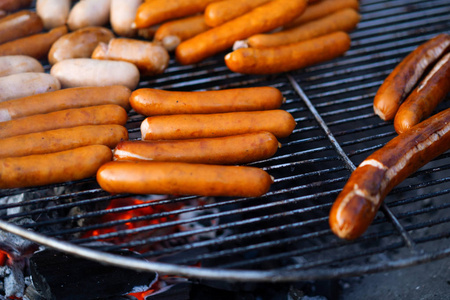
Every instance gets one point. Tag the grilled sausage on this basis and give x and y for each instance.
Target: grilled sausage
(122, 16)
(157, 11)
(426, 97)
(368, 185)
(170, 34)
(53, 13)
(37, 45)
(230, 150)
(342, 20)
(179, 178)
(19, 25)
(322, 9)
(13, 5)
(58, 167)
(220, 12)
(93, 115)
(64, 99)
(14, 64)
(89, 13)
(79, 72)
(288, 57)
(150, 102)
(397, 86)
(62, 139)
(261, 19)
(150, 58)
(26, 84)
(189, 126)
(79, 43)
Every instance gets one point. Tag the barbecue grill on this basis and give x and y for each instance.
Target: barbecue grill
(284, 235)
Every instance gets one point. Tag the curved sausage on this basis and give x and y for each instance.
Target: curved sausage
(261, 19)
(230, 150)
(89, 13)
(58, 167)
(79, 72)
(179, 178)
(64, 99)
(426, 97)
(19, 25)
(13, 5)
(357, 204)
(288, 57)
(397, 86)
(150, 102)
(220, 12)
(62, 139)
(79, 43)
(122, 16)
(37, 45)
(189, 126)
(94, 115)
(343, 20)
(26, 84)
(14, 64)
(150, 58)
(53, 13)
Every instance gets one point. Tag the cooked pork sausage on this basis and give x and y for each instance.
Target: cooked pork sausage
(13, 5)
(53, 13)
(122, 16)
(19, 25)
(89, 13)
(14, 64)
(26, 84)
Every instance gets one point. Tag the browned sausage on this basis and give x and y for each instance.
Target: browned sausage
(179, 178)
(189, 126)
(13, 5)
(43, 169)
(62, 139)
(37, 45)
(64, 99)
(230, 150)
(19, 25)
(368, 185)
(397, 86)
(93, 115)
(220, 12)
(288, 57)
(426, 97)
(152, 102)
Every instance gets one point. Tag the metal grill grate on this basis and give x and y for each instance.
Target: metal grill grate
(283, 235)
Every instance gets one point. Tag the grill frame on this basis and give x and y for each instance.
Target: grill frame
(310, 93)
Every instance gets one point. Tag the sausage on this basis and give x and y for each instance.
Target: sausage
(79, 43)
(149, 102)
(58, 167)
(122, 16)
(89, 13)
(13, 5)
(157, 11)
(62, 139)
(425, 98)
(322, 9)
(79, 72)
(189, 126)
(288, 57)
(93, 115)
(357, 204)
(220, 12)
(343, 20)
(53, 13)
(229, 150)
(64, 99)
(37, 45)
(170, 34)
(397, 86)
(150, 58)
(261, 19)
(19, 25)
(179, 178)
(15, 64)
(26, 84)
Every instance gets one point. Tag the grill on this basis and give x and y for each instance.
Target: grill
(284, 235)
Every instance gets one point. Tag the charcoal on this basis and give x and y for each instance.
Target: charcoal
(56, 275)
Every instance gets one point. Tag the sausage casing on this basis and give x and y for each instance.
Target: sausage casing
(230, 150)
(26, 84)
(179, 178)
(357, 204)
(19, 25)
(14, 64)
(151, 102)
